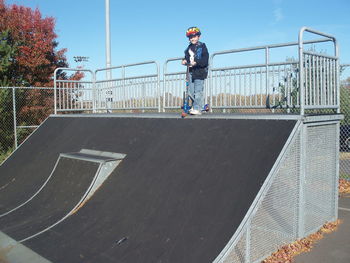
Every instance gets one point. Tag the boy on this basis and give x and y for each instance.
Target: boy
(197, 56)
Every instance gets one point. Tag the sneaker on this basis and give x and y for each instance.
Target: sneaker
(195, 112)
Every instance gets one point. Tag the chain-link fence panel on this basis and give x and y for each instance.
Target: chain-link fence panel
(22, 110)
(344, 142)
(7, 139)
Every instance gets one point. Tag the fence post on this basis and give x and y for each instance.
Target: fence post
(301, 72)
(158, 88)
(123, 85)
(337, 70)
(303, 159)
(55, 90)
(164, 83)
(247, 243)
(14, 116)
(94, 92)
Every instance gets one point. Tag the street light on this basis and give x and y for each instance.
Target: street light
(81, 59)
(108, 41)
(109, 92)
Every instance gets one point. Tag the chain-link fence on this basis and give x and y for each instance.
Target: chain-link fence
(22, 110)
(344, 156)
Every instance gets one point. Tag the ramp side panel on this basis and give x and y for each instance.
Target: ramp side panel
(68, 184)
(178, 196)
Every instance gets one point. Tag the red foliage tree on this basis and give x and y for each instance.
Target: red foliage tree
(36, 57)
(33, 63)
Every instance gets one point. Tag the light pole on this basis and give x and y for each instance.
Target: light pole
(108, 41)
(109, 93)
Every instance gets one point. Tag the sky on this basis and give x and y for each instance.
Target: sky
(155, 30)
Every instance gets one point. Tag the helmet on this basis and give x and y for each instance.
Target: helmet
(193, 31)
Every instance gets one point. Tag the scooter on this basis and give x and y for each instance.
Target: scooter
(186, 96)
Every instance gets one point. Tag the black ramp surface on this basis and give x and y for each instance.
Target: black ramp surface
(64, 190)
(22, 175)
(179, 194)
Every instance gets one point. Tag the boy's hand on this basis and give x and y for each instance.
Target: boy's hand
(193, 63)
(184, 62)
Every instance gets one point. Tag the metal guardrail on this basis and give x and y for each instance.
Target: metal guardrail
(320, 75)
(140, 92)
(265, 85)
(309, 83)
(73, 95)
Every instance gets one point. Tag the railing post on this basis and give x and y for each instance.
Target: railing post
(55, 92)
(302, 179)
(211, 83)
(247, 243)
(158, 87)
(14, 116)
(267, 61)
(301, 72)
(94, 91)
(123, 81)
(164, 83)
(337, 70)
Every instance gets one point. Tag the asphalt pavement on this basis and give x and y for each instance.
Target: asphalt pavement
(334, 247)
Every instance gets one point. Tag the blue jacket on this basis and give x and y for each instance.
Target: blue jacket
(201, 57)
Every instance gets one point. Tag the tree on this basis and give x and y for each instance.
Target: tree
(34, 54)
(7, 53)
(29, 55)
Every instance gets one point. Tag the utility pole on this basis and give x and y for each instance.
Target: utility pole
(109, 92)
(108, 41)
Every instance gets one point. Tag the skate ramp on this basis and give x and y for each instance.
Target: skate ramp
(178, 196)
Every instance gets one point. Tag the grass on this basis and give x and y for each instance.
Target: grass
(4, 155)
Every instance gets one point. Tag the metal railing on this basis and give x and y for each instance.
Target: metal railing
(277, 85)
(310, 82)
(319, 76)
(140, 92)
(74, 95)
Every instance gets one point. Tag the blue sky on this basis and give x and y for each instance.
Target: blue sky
(154, 30)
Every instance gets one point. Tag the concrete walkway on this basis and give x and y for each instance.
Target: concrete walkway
(334, 247)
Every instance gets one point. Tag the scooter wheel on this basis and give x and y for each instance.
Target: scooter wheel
(183, 114)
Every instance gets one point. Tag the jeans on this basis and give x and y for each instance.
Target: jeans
(195, 91)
